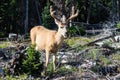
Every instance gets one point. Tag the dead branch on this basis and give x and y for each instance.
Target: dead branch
(113, 77)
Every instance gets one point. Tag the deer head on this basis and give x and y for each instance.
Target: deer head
(62, 23)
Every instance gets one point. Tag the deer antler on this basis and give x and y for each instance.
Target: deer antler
(52, 13)
(73, 14)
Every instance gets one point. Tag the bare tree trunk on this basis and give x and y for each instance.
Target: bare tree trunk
(119, 8)
(26, 19)
(117, 13)
(97, 8)
(113, 10)
(89, 10)
(38, 13)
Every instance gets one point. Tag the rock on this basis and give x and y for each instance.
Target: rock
(117, 38)
(12, 36)
(115, 45)
(99, 44)
(2, 54)
(68, 67)
(88, 64)
(1, 71)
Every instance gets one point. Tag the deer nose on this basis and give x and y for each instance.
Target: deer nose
(66, 34)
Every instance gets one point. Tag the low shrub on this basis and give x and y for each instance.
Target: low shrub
(75, 30)
(118, 25)
(32, 64)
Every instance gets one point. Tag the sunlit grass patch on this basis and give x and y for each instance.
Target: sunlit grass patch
(6, 44)
(3, 45)
(62, 70)
(105, 60)
(116, 56)
(66, 68)
(78, 41)
(19, 77)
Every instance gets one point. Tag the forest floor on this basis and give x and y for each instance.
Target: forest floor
(81, 58)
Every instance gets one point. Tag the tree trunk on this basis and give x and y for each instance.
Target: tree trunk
(112, 1)
(26, 16)
(89, 10)
(38, 13)
(119, 8)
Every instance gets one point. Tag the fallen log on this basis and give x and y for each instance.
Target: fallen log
(116, 77)
(100, 39)
(93, 42)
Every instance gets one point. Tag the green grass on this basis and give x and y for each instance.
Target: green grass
(116, 56)
(63, 70)
(3, 45)
(105, 60)
(94, 53)
(20, 77)
(6, 44)
(77, 41)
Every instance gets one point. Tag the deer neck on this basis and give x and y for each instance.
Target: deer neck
(59, 38)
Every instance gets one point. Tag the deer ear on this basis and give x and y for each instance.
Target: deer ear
(57, 21)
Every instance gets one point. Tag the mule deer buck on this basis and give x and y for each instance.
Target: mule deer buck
(51, 40)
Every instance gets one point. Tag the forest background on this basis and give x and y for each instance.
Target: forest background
(19, 16)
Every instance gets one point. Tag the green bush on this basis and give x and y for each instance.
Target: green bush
(118, 25)
(116, 56)
(46, 16)
(32, 64)
(104, 60)
(2, 34)
(94, 53)
(75, 30)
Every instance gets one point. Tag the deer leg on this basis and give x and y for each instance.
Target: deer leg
(54, 61)
(33, 38)
(47, 57)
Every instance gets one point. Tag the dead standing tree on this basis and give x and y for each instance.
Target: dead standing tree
(26, 17)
